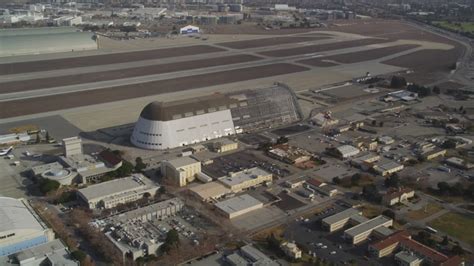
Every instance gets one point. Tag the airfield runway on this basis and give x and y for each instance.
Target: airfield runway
(37, 84)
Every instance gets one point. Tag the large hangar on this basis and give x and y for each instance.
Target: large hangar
(183, 122)
(20, 227)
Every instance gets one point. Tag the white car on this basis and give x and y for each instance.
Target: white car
(333, 252)
(324, 247)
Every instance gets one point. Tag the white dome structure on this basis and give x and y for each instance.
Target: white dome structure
(179, 123)
(169, 125)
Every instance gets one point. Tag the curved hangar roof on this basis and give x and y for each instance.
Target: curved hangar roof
(15, 216)
(159, 111)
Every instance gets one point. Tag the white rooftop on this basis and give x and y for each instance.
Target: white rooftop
(116, 186)
(242, 176)
(182, 161)
(238, 203)
(15, 215)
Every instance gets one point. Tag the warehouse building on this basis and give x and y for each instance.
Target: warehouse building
(239, 205)
(210, 191)
(225, 145)
(24, 41)
(181, 170)
(346, 151)
(184, 122)
(50, 253)
(386, 167)
(20, 227)
(245, 179)
(190, 29)
(249, 255)
(111, 193)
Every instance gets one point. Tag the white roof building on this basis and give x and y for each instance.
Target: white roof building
(347, 151)
(111, 193)
(20, 227)
(189, 29)
(239, 205)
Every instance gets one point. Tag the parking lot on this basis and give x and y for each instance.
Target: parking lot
(240, 161)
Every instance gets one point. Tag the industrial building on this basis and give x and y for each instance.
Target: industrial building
(45, 40)
(14, 138)
(190, 29)
(346, 151)
(291, 250)
(184, 122)
(289, 154)
(20, 227)
(151, 212)
(225, 145)
(386, 167)
(181, 170)
(111, 193)
(136, 234)
(239, 205)
(245, 179)
(249, 255)
(210, 191)
(50, 253)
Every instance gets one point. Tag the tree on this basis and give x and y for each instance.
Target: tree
(398, 82)
(336, 180)
(389, 213)
(381, 124)
(436, 90)
(392, 181)
(171, 241)
(47, 185)
(38, 138)
(355, 178)
(125, 170)
(370, 193)
(79, 255)
(282, 140)
(457, 249)
(374, 123)
(445, 241)
(449, 144)
(443, 188)
(48, 138)
(139, 164)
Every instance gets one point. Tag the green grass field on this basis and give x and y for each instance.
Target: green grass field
(459, 26)
(424, 212)
(456, 225)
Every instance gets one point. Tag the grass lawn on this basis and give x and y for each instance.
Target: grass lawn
(456, 225)
(462, 26)
(424, 212)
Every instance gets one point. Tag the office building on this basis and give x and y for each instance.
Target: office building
(245, 179)
(181, 171)
(109, 194)
(238, 205)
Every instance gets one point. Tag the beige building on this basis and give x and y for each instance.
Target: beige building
(72, 146)
(395, 196)
(339, 220)
(363, 230)
(225, 145)
(239, 205)
(210, 191)
(434, 154)
(118, 191)
(387, 167)
(242, 180)
(291, 250)
(181, 170)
